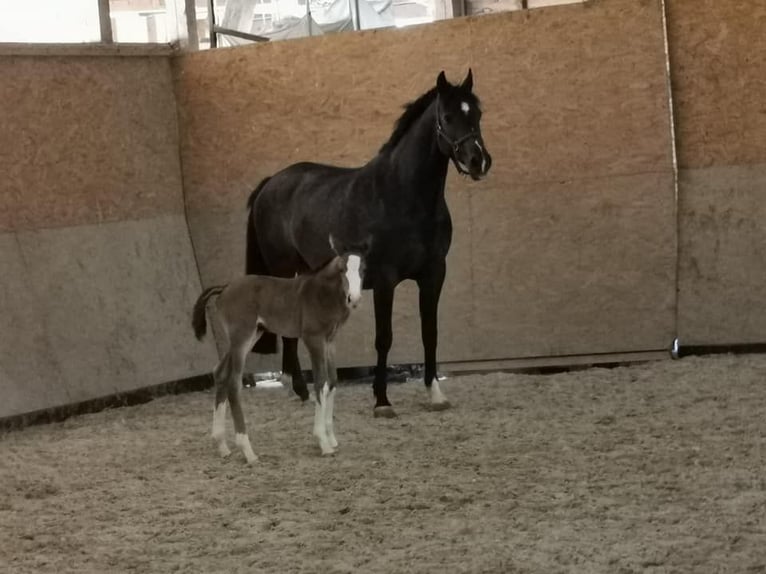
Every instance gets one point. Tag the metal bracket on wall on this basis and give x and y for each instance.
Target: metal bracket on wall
(215, 29)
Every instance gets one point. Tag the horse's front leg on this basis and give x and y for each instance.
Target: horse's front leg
(430, 287)
(291, 368)
(383, 296)
(332, 373)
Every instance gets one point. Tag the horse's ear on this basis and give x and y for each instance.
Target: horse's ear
(441, 82)
(468, 82)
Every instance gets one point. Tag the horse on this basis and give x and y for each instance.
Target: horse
(397, 198)
(311, 307)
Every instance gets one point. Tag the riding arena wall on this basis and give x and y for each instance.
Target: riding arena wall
(96, 264)
(126, 178)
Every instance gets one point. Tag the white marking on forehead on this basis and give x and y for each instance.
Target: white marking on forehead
(465, 107)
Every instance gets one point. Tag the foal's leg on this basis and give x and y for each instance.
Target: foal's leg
(383, 296)
(430, 287)
(330, 407)
(238, 354)
(316, 347)
(220, 377)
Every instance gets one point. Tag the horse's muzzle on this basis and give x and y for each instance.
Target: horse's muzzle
(476, 160)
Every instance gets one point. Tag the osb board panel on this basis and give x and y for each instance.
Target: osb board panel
(248, 112)
(29, 373)
(86, 140)
(574, 91)
(718, 74)
(574, 267)
(722, 272)
(571, 94)
(106, 309)
(571, 91)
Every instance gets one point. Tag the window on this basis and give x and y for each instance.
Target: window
(49, 21)
(140, 21)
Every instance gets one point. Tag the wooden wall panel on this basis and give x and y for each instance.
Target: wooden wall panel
(719, 88)
(86, 140)
(97, 272)
(577, 120)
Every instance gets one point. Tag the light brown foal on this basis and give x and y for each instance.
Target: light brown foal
(310, 307)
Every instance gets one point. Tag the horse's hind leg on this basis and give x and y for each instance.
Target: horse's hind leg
(291, 368)
(316, 347)
(238, 355)
(220, 376)
(330, 406)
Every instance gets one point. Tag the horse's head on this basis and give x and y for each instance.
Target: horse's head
(458, 118)
(349, 264)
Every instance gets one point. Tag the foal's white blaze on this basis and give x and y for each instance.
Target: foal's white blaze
(483, 156)
(320, 420)
(437, 397)
(243, 442)
(353, 266)
(465, 107)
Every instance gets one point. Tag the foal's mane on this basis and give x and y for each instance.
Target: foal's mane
(412, 112)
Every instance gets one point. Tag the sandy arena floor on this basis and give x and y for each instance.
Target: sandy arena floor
(654, 468)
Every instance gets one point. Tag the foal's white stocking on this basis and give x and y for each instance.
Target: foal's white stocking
(320, 420)
(219, 428)
(329, 422)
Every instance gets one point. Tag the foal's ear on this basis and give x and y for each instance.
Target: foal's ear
(332, 245)
(442, 85)
(468, 82)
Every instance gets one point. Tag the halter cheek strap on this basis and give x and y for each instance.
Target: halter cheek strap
(454, 144)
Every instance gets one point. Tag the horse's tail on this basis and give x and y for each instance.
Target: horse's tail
(255, 264)
(199, 321)
(254, 261)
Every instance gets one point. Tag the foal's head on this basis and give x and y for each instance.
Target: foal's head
(458, 118)
(348, 264)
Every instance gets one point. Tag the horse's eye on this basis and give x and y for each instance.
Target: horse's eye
(447, 118)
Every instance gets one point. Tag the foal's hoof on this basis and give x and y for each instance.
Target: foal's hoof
(442, 406)
(386, 412)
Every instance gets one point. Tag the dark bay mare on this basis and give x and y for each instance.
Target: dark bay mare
(396, 201)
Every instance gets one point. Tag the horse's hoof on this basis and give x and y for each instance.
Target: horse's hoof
(386, 412)
(328, 452)
(443, 406)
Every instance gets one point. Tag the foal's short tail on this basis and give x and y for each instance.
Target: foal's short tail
(199, 320)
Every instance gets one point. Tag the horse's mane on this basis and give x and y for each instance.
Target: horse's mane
(412, 112)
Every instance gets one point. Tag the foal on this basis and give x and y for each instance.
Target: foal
(310, 307)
